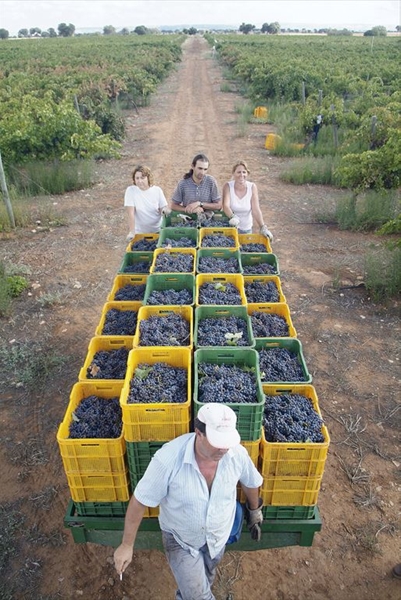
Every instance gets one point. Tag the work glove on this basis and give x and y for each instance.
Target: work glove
(266, 232)
(165, 211)
(254, 520)
(130, 236)
(234, 221)
(185, 218)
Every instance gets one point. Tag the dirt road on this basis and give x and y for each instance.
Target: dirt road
(351, 347)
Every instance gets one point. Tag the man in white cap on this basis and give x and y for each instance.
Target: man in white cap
(193, 479)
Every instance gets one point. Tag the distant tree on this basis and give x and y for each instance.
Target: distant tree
(271, 28)
(109, 30)
(23, 33)
(141, 30)
(124, 31)
(52, 32)
(34, 30)
(377, 31)
(190, 31)
(65, 30)
(398, 28)
(4, 34)
(339, 32)
(246, 28)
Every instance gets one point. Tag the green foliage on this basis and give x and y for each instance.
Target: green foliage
(367, 211)
(16, 285)
(28, 364)
(56, 177)
(11, 286)
(383, 273)
(311, 170)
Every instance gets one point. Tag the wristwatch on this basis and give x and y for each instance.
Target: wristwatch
(201, 204)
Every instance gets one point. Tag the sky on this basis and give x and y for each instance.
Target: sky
(363, 14)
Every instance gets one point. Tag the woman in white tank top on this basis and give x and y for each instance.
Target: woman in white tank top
(241, 202)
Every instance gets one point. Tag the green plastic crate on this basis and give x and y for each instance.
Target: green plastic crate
(101, 509)
(219, 312)
(139, 455)
(174, 220)
(254, 259)
(177, 233)
(250, 415)
(169, 281)
(288, 512)
(220, 253)
(140, 260)
(291, 344)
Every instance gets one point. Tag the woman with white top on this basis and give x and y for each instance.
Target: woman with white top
(241, 202)
(145, 202)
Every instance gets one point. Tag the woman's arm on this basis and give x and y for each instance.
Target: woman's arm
(131, 218)
(227, 201)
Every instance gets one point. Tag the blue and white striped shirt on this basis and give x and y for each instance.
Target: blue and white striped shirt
(192, 514)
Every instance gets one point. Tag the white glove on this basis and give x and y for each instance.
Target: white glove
(130, 236)
(254, 520)
(165, 211)
(185, 218)
(266, 232)
(234, 221)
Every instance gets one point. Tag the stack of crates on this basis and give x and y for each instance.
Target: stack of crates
(292, 473)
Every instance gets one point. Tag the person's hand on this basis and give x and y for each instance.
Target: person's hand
(185, 218)
(254, 520)
(234, 221)
(122, 557)
(193, 208)
(165, 211)
(266, 232)
(130, 236)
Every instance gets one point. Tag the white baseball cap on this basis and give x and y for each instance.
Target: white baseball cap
(220, 421)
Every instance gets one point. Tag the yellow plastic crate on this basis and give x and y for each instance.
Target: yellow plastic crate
(89, 455)
(236, 280)
(230, 232)
(264, 279)
(151, 238)
(107, 343)
(253, 451)
(272, 141)
(134, 306)
(275, 308)
(162, 311)
(156, 421)
(122, 280)
(254, 238)
(159, 251)
(96, 487)
(303, 459)
(260, 112)
(290, 491)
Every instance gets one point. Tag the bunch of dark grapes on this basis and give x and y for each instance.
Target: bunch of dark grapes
(269, 325)
(120, 322)
(158, 383)
(108, 364)
(218, 241)
(138, 267)
(214, 264)
(291, 418)
(280, 364)
(253, 248)
(220, 331)
(259, 269)
(214, 223)
(228, 384)
(182, 223)
(217, 293)
(167, 330)
(174, 262)
(171, 297)
(144, 245)
(131, 292)
(96, 417)
(182, 242)
(259, 292)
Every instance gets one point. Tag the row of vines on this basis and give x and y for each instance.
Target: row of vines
(61, 99)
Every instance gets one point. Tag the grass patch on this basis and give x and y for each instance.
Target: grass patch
(383, 272)
(310, 170)
(29, 213)
(11, 286)
(28, 364)
(52, 178)
(368, 211)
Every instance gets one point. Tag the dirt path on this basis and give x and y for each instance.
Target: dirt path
(351, 347)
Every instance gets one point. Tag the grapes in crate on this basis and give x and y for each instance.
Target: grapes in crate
(223, 331)
(120, 322)
(219, 293)
(96, 417)
(259, 292)
(218, 241)
(214, 264)
(130, 292)
(291, 418)
(229, 384)
(166, 330)
(108, 364)
(158, 383)
(170, 297)
(174, 262)
(280, 364)
(269, 325)
(144, 245)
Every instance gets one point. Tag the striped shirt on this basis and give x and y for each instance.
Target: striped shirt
(187, 191)
(192, 514)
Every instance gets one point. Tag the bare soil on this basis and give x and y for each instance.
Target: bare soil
(351, 347)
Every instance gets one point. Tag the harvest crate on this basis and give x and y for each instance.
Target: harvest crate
(227, 232)
(169, 281)
(300, 459)
(253, 451)
(174, 251)
(145, 312)
(101, 509)
(249, 415)
(290, 491)
(291, 344)
(120, 281)
(156, 421)
(89, 455)
(275, 308)
(223, 279)
(264, 280)
(107, 343)
(176, 234)
(254, 238)
(136, 262)
(139, 456)
(288, 512)
(251, 261)
(149, 241)
(222, 312)
(120, 306)
(96, 487)
(218, 253)
(174, 220)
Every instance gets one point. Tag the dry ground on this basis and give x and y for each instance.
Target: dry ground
(351, 346)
